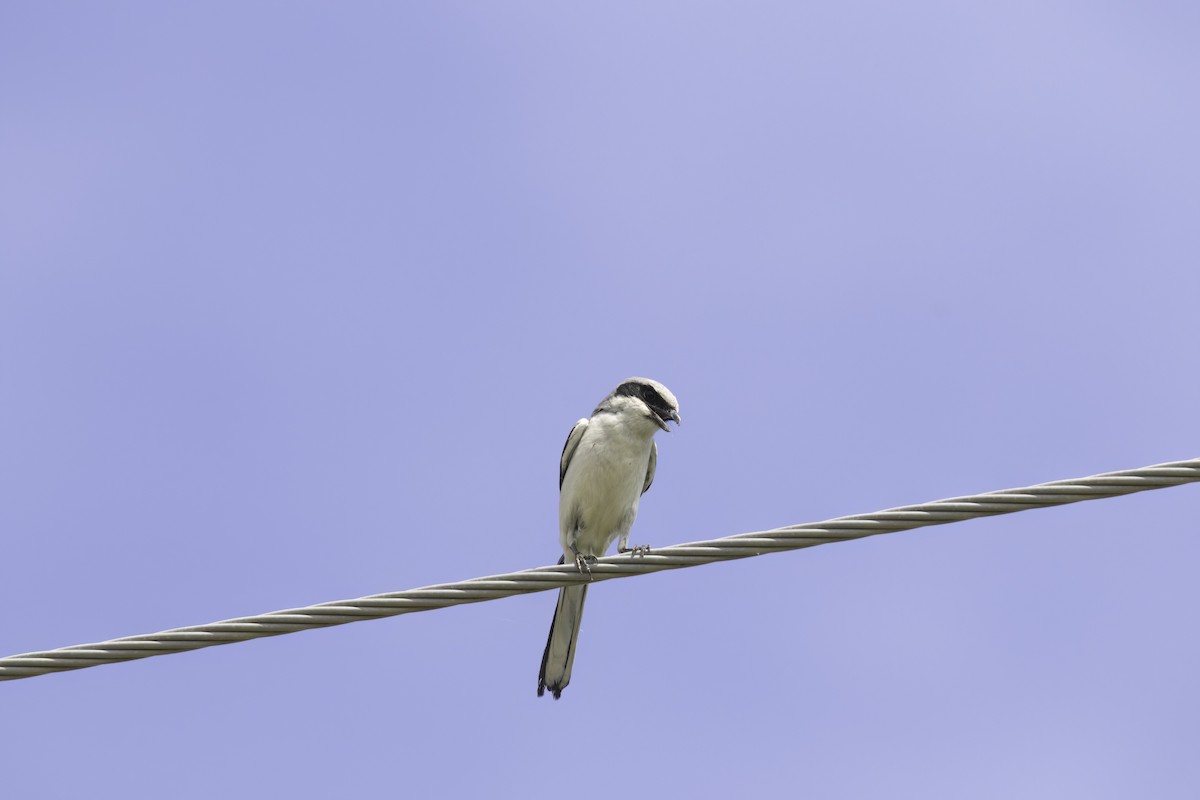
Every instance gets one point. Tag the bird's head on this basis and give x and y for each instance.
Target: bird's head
(650, 398)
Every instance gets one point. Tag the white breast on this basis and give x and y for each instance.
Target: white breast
(603, 484)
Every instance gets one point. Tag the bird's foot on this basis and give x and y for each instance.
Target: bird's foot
(636, 550)
(584, 564)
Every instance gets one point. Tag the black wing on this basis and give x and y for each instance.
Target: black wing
(572, 444)
(650, 467)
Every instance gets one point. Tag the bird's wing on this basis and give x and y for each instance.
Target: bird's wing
(651, 466)
(569, 449)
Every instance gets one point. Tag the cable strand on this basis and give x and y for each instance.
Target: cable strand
(540, 579)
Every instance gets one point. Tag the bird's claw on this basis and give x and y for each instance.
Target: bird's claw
(637, 550)
(584, 564)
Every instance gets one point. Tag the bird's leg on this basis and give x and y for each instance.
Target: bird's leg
(583, 563)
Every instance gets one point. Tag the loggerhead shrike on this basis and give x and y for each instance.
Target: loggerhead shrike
(607, 465)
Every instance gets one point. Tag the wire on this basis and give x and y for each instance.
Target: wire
(540, 579)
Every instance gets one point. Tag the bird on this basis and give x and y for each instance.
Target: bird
(607, 464)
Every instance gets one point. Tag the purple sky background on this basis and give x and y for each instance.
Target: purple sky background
(298, 302)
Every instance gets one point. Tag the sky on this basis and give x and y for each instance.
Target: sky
(299, 301)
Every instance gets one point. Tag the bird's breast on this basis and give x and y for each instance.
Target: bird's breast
(602, 487)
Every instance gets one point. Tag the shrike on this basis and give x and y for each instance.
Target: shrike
(607, 465)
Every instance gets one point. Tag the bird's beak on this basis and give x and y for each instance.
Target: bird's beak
(662, 423)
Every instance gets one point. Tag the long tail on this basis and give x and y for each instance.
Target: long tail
(560, 645)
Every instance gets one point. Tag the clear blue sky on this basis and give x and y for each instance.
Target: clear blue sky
(298, 302)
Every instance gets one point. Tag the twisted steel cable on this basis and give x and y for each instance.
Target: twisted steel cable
(540, 579)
